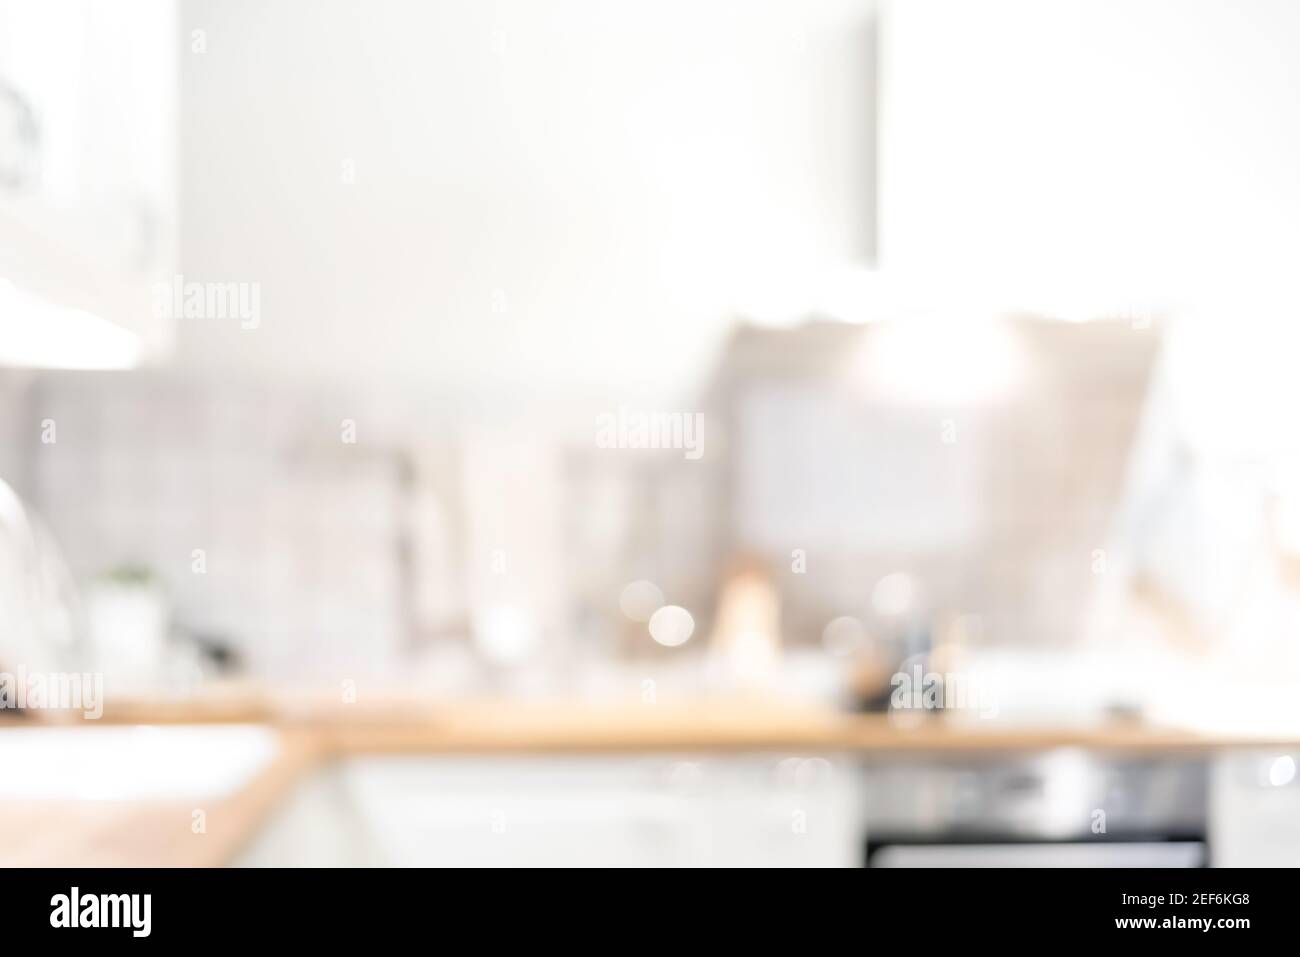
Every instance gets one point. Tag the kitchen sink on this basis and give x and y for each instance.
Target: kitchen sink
(132, 763)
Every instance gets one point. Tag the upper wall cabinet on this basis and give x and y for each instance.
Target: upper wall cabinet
(1083, 159)
(88, 95)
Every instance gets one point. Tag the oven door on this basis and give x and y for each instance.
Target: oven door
(1058, 809)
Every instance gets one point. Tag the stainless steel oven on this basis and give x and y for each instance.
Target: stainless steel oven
(1064, 808)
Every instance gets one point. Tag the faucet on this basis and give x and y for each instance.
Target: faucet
(37, 596)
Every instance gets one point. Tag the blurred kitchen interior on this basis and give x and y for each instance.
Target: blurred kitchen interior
(983, 309)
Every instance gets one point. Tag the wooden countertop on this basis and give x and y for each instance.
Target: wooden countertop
(85, 833)
(388, 721)
(313, 731)
(488, 728)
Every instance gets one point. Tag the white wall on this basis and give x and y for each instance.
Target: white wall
(568, 191)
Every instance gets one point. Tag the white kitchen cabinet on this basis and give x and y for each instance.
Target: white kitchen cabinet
(88, 146)
(1255, 809)
(316, 826)
(658, 811)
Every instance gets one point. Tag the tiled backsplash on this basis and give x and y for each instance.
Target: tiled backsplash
(325, 532)
(267, 531)
(321, 533)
